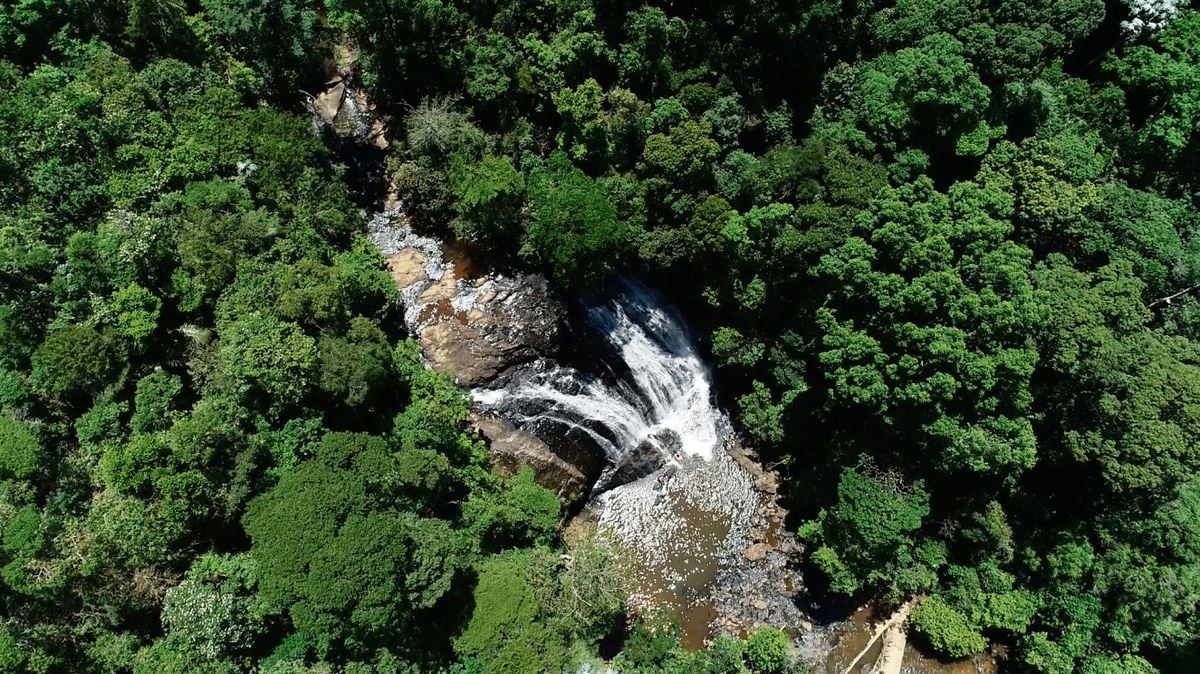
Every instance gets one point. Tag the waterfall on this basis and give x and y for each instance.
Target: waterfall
(621, 393)
(681, 505)
(662, 397)
(663, 364)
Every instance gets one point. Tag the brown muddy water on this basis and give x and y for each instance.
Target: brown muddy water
(680, 583)
(458, 254)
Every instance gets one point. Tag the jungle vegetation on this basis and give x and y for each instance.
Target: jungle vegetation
(945, 255)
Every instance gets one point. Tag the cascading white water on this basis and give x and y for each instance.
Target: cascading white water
(672, 494)
(662, 361)
(666, 387)
(683, 518)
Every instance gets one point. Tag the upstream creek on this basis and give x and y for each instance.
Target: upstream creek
(608, 399)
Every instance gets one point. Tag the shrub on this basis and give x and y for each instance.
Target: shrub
(948, 631)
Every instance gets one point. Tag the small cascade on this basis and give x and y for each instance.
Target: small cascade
(425, 252)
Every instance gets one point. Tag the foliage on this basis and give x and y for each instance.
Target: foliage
(487, 197)
(573, 228)
(867, 537)
(767, 650)
(20, 451)
(915, 277)
(944, 254)
(947, 630)
(505, 633)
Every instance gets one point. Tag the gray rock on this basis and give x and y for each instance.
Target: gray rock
(646, 459)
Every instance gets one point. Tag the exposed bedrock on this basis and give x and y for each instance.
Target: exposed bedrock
(568, 470)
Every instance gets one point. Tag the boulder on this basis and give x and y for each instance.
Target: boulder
(328, 103)
(473, 329)
(407, 267)
(756, 552)
(646, 459)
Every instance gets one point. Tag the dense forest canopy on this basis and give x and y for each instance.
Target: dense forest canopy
(945, 255)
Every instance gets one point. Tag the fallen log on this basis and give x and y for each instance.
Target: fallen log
(896, 621)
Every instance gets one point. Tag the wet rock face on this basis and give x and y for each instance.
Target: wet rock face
(355, 131)
(569, 474)
(341, 106)
(647, 458)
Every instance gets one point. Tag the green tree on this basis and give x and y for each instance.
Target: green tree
(508, 631)
(1161, 76)
(522, 512)
(767, 650)
(154, 400)
(216, 225)
(1125, 399)
(74, 361)
(684, 155)
(355, 369)
(903, 336)
(926, 96)
(408, 46)
(137, 311)
(487, 198)
(213, 611)
(280, 40)
(350, 568)
(573, 228)
(20, 450)
(947, 630)
(264, 356)
(871, 534)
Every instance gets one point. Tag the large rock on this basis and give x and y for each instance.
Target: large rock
(570, 477)
(407, 267)
(475, 329)
(328, 102)
(647, 458)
